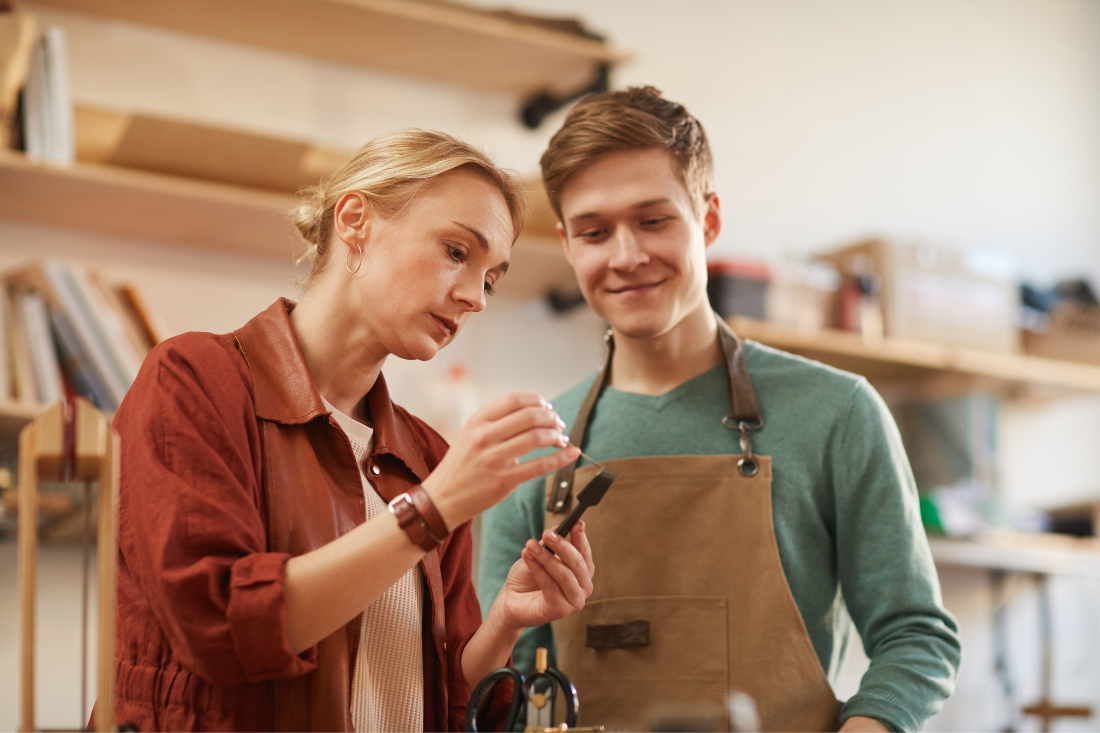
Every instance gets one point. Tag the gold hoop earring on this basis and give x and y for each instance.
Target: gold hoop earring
(347, 260)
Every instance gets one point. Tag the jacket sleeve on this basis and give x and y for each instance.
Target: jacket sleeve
(886, 573)
(191, 528)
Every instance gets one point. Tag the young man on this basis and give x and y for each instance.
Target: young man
(759, 493)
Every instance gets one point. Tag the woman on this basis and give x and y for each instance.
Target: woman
(262, 583)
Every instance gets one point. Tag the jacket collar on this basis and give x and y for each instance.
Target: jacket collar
(286, 393)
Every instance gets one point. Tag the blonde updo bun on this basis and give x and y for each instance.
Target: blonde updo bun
(389, 170)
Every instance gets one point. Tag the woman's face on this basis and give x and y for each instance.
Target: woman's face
(428, 267)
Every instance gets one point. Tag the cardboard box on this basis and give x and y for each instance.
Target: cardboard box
(940, 294)
(1078, 346)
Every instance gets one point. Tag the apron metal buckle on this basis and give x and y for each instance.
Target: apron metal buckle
(747, 465)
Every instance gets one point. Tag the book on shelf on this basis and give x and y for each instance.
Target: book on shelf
(48, 132)
(72, 332)
(24, 387)
(17, 36)
(35, 320)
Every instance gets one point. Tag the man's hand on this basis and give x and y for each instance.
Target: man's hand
(860, 724)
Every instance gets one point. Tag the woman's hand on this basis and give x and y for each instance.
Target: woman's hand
(543, 585)
(482, 467)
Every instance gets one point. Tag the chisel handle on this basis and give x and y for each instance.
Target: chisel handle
(566, 525)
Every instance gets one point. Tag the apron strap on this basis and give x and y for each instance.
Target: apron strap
(744, 414)
(563, 479)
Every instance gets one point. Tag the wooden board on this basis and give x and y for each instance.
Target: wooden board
(195, 150)
(14, 416)
(156, 207)
(148, 206)
(437, 40)
(939, 368)
(1021, 552)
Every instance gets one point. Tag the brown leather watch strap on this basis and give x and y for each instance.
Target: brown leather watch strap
(433, 521)
(408, 518)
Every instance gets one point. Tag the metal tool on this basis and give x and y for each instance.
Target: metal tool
(590, 495)
(540, 705)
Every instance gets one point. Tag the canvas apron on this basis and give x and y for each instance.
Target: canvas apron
(690, 598)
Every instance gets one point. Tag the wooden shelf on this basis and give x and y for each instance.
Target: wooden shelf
(926, 366)
(438, 40)
(14, 416)
(155, 207)
(147, 206)
(1021, 552)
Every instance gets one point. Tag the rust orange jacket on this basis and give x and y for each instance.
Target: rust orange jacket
(230, 466)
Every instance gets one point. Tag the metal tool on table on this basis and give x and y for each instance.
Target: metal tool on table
(590, 495)
(540, 692)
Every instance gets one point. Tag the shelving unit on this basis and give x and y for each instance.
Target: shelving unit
(928, 367)
(158, 207)
(437, 40)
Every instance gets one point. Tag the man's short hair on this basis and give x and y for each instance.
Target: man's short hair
(637, 118)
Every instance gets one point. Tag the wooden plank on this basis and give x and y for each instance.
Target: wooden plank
(41, 452)
(199, 151)
(892, 361)
(14, 416)
(1021, 552)
(106, 560)
(90, 441)
(441, 41)
(28, 566)
(148, 206)
(537, 266)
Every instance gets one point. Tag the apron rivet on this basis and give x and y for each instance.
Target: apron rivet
(564, 484)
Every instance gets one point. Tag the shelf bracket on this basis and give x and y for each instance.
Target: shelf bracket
(538, 107)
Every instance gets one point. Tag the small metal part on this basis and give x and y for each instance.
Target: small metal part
(541, 660)
(588, 458)
(538, 700)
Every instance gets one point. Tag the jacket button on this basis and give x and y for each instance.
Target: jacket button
(375, 470)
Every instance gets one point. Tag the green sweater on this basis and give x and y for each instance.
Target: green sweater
(844, 507)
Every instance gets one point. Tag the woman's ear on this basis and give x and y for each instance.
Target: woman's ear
(351, 220)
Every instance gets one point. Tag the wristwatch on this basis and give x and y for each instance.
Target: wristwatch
(417, 515)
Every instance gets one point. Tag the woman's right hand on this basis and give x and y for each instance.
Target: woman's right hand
(482, 465)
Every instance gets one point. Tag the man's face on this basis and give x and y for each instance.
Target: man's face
(634, 240)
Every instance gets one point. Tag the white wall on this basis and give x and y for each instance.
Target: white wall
(969, 122)
(973, 122)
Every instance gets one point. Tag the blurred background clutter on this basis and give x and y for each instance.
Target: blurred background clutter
(909, 189)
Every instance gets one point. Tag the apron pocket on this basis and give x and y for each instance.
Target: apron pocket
(632, 658)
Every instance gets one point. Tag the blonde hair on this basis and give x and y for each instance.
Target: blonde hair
(389, 170)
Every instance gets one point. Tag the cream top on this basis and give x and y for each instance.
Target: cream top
(388, 685)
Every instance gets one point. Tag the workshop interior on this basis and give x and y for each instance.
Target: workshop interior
(909, 193)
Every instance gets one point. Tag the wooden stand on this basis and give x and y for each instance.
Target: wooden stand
(69, 444)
